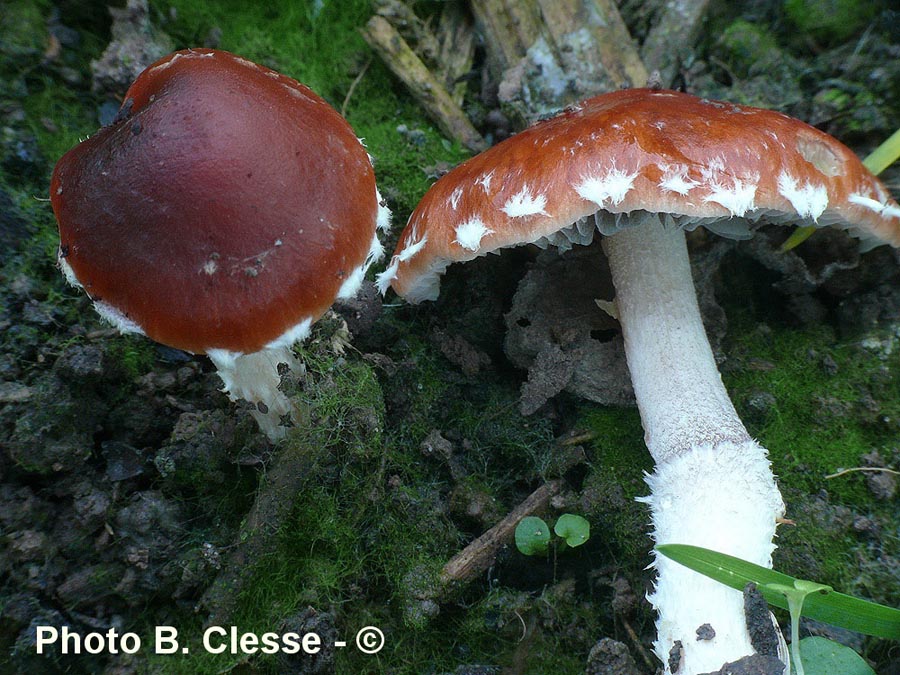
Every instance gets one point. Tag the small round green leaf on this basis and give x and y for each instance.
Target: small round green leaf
(825, 657)
(532, 536)
(574, 529)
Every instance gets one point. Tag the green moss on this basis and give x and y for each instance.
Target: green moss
(134, 354)
(36, 254)
(748, 47)
(832, 398)
(21, 35)
(817, 425)
(346, 404)
(618, 446)
(830, 21)
(858, 109)
(759, 69)
(375, 517)
(50, 90)
(618, 463)
(72, 121)
(546, 632)
(424, 389)
(348, 542)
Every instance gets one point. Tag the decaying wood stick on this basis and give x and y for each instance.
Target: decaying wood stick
(293, 467)
(558, 52)
(568, 22)
(415, 31)
(672, 36)
(457, 39)
(618, 53)
(404, 63)
(478, 556)
(509, 28)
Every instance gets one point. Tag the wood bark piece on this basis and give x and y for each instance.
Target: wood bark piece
(577, 49)
(415, 31)
(571, 22)
(457, 49)
(293, 468)
(478, 556)
(509, 28)
(430, 93)
(672, 37)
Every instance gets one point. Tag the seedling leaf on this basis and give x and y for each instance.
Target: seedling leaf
(532, 536)
(574, 529)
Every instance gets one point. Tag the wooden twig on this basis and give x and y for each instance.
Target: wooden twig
(864, 469)
(636, 641)
(457, 39)
(611, 45)
(509, 28)
(293, 468)
(579, 438)
(432, 95)
(478, 556)
(546, 54)
(353, 85)
(415, 31)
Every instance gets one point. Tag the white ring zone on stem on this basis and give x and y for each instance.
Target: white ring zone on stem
(256, 378)
(730, 505)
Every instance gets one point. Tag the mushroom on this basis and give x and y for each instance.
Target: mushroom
(641, 166)
(222, 212)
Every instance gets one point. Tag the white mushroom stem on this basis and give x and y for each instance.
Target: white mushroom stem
(713, 485)
(255, 378)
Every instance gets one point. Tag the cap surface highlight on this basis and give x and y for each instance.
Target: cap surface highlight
(205, 222)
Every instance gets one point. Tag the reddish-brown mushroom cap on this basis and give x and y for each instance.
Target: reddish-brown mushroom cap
(225, 208)
(723, 166)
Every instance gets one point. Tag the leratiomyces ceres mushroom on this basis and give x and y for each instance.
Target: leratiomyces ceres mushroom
(641, 166)
(222, 212)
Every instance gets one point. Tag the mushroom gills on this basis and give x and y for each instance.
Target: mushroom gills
(581, 232)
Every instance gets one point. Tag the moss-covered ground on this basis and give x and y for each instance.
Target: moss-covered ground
(377, 515)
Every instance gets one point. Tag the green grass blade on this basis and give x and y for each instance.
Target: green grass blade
(798, 236)
(884, 155)
(833, 608)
